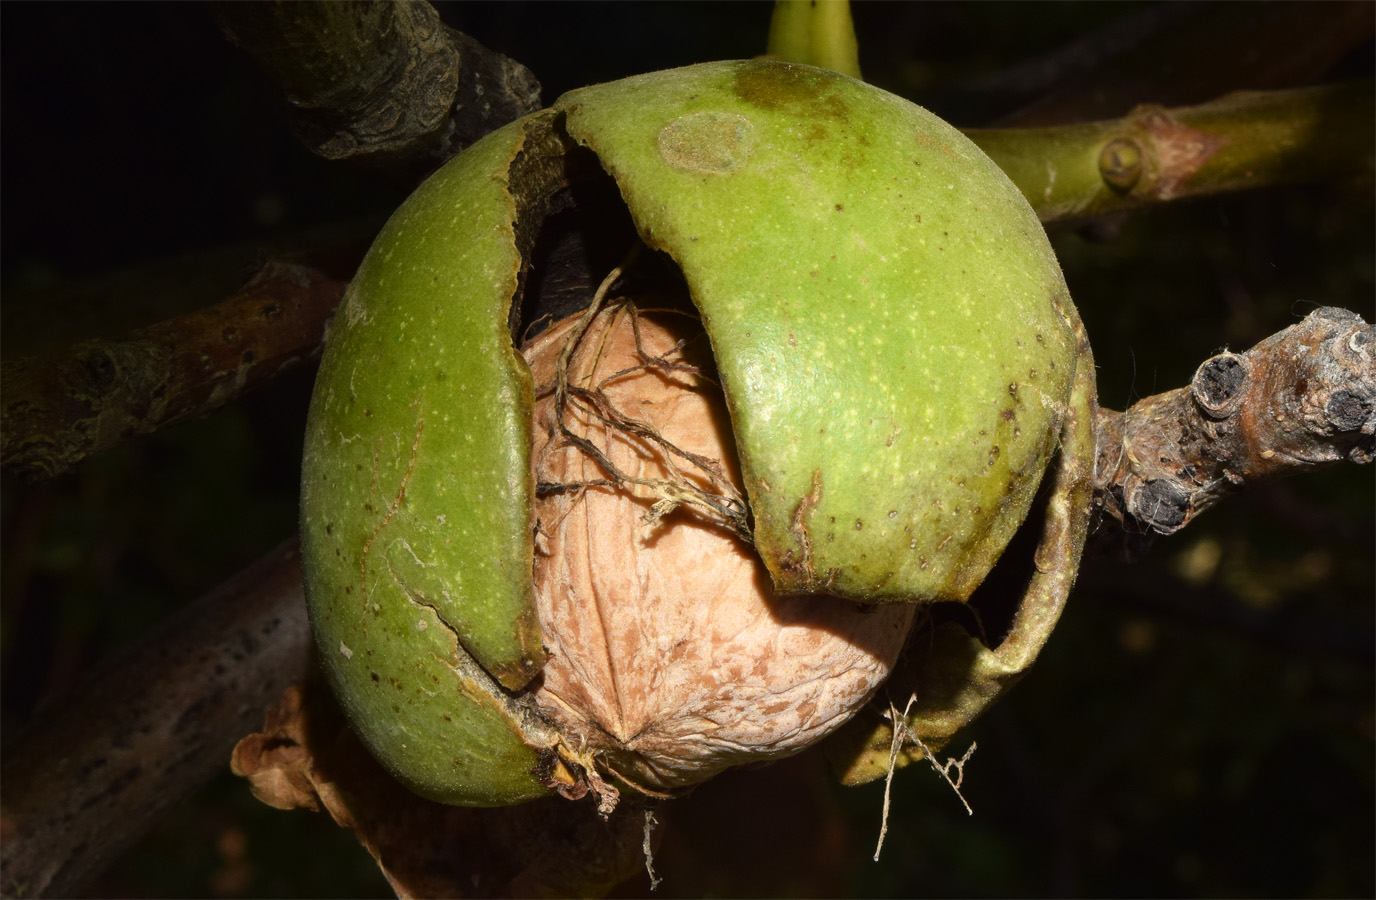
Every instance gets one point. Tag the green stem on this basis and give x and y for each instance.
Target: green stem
(1243, 140)
(815, 32)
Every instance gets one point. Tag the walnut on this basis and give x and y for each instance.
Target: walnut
(670, 656)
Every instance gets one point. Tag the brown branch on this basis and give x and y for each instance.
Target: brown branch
(383, 83)
(1304, 397)
(62, 408)
(95, 769)
(110, 304)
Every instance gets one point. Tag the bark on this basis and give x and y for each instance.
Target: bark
(42, 321)
(59, 409)
(95, 769)
(387, 84)
(1302, 398)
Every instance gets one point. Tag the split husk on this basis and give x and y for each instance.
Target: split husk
(900, 364)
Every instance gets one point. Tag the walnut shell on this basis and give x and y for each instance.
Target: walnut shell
(670, 656)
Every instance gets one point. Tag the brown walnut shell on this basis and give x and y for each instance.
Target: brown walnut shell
(670, 656)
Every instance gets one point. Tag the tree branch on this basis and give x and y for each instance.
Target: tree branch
(1304, 397)
(111, 304)
(1244, 140)
(59, 409)
(384, 83)
(95, 769)
(88, 777)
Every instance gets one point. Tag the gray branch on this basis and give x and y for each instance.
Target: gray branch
(383, 83)
(1303, 398)
(60, 408)
(96, 768)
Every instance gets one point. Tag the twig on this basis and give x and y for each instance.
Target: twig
(1304, 397)
(384, 83)
(899, 725)
(59, 409)
(902, 737)
(1154, 155)
(647, 847)
(95, 769)
(111, 304)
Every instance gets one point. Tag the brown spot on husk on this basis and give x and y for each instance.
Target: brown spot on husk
(800, 89)
(711, 142)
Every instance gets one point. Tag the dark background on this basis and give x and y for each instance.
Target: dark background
(1201, 723)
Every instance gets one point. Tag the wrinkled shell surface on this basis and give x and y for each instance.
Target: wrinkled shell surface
(669, 653)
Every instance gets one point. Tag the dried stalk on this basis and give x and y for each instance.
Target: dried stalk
(1302, 398)
(94, 770)
(59, 409)
(383, 83)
